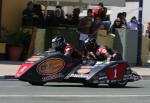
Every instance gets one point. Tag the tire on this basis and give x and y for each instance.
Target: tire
(120, 84)
(37, 83)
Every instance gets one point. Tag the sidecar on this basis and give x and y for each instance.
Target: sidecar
(53, 66)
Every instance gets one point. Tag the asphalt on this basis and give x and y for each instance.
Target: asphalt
(8, 69)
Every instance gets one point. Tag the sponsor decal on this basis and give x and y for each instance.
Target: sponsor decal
(55, 76)
(84, 71)
(79, 75)
(103, 78)
(34, 58)
(23, 68)
(51, 66)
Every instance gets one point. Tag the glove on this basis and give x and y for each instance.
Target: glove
(109, 58)
(91, 55)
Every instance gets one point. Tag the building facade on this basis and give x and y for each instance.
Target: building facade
(132, 8)
(11, 13)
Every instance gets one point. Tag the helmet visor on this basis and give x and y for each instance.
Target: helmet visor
(55, 44)
(89, 46)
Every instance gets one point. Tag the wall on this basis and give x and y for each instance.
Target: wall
(12, 13)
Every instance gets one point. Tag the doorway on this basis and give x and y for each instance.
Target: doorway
(0, 11)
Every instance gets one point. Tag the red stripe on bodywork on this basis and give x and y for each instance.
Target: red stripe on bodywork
(23, 68)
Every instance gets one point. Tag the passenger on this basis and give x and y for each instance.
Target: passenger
(59, 44)
(100, 52)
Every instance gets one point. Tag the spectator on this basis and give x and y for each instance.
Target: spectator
(56, 20)
(84, 30)
(97, 24)
(133, 24)
(124, 21)
(148, 30)
(122, 17)
(117, 24)
(28, 15)
(105, 19)
(68, 19)
(96, 11)
(75, 18)
(104, 16)
(101, 7)
(85, 25)
(62, 11)
(39, 18)
(89, 13)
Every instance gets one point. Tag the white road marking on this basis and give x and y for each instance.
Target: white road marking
(10, 86)
(67, 96)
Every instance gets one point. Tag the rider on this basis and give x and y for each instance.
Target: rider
(100, 52)
(59, 44)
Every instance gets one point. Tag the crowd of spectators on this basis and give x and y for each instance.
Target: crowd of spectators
(89, 25)
(95, 19)
(33, 16)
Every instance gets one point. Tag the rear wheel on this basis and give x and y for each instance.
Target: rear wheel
(120, 84)
(37, 83)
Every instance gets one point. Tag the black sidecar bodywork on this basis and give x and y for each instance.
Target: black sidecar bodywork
(52, 66)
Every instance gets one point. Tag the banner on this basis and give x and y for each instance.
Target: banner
(69, 0)
(106, 2)
(93, 2)
(61, 0)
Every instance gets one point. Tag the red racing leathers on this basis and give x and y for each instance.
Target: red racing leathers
(102, 53)
(69, 50)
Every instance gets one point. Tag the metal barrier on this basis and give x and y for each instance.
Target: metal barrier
(126, 43)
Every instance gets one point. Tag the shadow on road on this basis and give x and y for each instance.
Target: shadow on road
(99, 86)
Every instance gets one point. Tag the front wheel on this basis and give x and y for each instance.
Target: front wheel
(37, 83)
(120, 84)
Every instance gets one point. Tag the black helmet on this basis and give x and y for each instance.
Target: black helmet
(90, 43)
(58, 42)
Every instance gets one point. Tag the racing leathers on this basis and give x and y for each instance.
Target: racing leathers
(103, 53)
(69, 50)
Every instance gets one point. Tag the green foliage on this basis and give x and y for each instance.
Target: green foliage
(18, 38)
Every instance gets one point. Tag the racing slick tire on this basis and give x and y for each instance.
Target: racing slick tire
(37, 83)
(120, 84)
